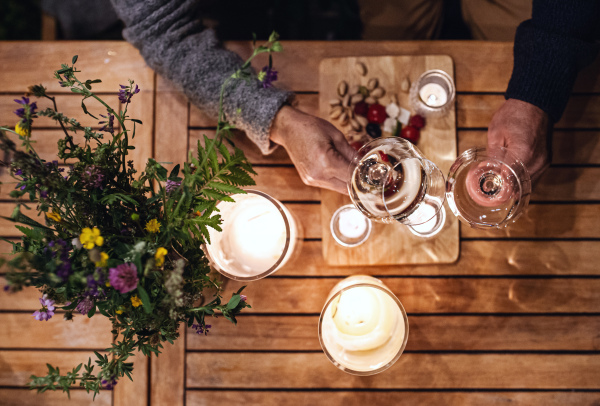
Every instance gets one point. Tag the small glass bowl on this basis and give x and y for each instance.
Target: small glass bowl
(349, 227)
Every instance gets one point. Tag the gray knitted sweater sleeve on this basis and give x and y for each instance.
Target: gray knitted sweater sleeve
(175, 44)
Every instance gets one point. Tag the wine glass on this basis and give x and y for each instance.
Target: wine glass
(391, 181)
(488, 187)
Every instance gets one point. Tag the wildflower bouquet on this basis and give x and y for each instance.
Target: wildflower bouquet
(116, 243)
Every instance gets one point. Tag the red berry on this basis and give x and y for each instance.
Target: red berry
(411, 133)
(383, 156)
(417, 121)
(376, 114)
(361, 109)
(356, 145)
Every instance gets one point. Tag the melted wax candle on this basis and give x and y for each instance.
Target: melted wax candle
(363, 328)
(433, 95)
(253, 238)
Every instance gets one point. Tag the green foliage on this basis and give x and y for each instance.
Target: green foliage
(123, 218)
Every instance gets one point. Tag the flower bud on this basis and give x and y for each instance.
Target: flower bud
(135, 217)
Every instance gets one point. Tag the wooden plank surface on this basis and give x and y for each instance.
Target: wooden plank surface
(20, 365)
(478, 257)
(412, 398)
(112, 61)
(427, 333)
(26, 397)
(435, 295)
(21, 330)
(412, 371)
(499, 319)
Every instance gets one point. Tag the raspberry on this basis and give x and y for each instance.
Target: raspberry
(417, 121)
(411, 134)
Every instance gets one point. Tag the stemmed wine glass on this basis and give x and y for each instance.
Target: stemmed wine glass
(488, 187)
(391, 181)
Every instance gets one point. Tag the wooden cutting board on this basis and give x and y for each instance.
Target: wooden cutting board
(392, 244)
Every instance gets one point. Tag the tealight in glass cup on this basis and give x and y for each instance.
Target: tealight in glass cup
(433, 93)
(488, 187)
(391, 181)
(258, 238)
(349, 227)
(363, 328)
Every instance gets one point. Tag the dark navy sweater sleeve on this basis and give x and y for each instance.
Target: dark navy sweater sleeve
(550, 49)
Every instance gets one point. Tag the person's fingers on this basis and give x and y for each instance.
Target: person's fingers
(342, 146)
(336, 165)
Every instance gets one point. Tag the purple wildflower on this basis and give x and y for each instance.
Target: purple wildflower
(18, 172)
(200, 329)
(43, 194)
(109, 383)
(108, 124)
(93, 177)
(127, 92)
(23, 101)
(171, 186)
(47, 310)
(6, 288)
(243, 298)
(268, 76)
(85, 305)
(124, 277)
(27, 112)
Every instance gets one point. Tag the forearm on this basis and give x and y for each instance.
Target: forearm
(550, 50)
(173, 42)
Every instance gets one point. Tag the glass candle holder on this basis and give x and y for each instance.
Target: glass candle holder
(258, 238)
(363, 328)
(349, 227)
(433, 93)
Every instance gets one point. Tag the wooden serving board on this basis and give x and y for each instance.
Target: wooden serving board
(392, 244)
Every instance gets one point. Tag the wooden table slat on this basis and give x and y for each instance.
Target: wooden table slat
(412, 371)
(427, 333)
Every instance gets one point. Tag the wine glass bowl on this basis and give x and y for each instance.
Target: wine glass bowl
(488, 187)
(391, 181)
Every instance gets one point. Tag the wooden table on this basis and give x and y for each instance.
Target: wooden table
(517, 318)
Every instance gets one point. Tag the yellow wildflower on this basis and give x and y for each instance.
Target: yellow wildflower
(22, 131)
(102, 262)
(159, 257)
(54, 216)
(120, 310)
(107, 284)
(136, 301)
(153, 226)
(90, 238)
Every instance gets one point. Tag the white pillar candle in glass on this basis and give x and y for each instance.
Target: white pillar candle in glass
(363, 327)
(259, 236)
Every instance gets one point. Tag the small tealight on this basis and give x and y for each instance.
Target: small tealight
(349, 227)
(433, 93)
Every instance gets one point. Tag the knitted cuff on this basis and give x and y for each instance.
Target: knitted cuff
(545, 67)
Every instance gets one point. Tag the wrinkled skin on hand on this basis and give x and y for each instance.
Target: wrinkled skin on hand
(524, 130)
(319, 151)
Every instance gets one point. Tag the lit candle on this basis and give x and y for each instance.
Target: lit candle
(258, 231)
(349, 226)
(363, 327)
(433, 94)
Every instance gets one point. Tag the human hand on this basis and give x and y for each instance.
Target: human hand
(319, 151)
(523, 129)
